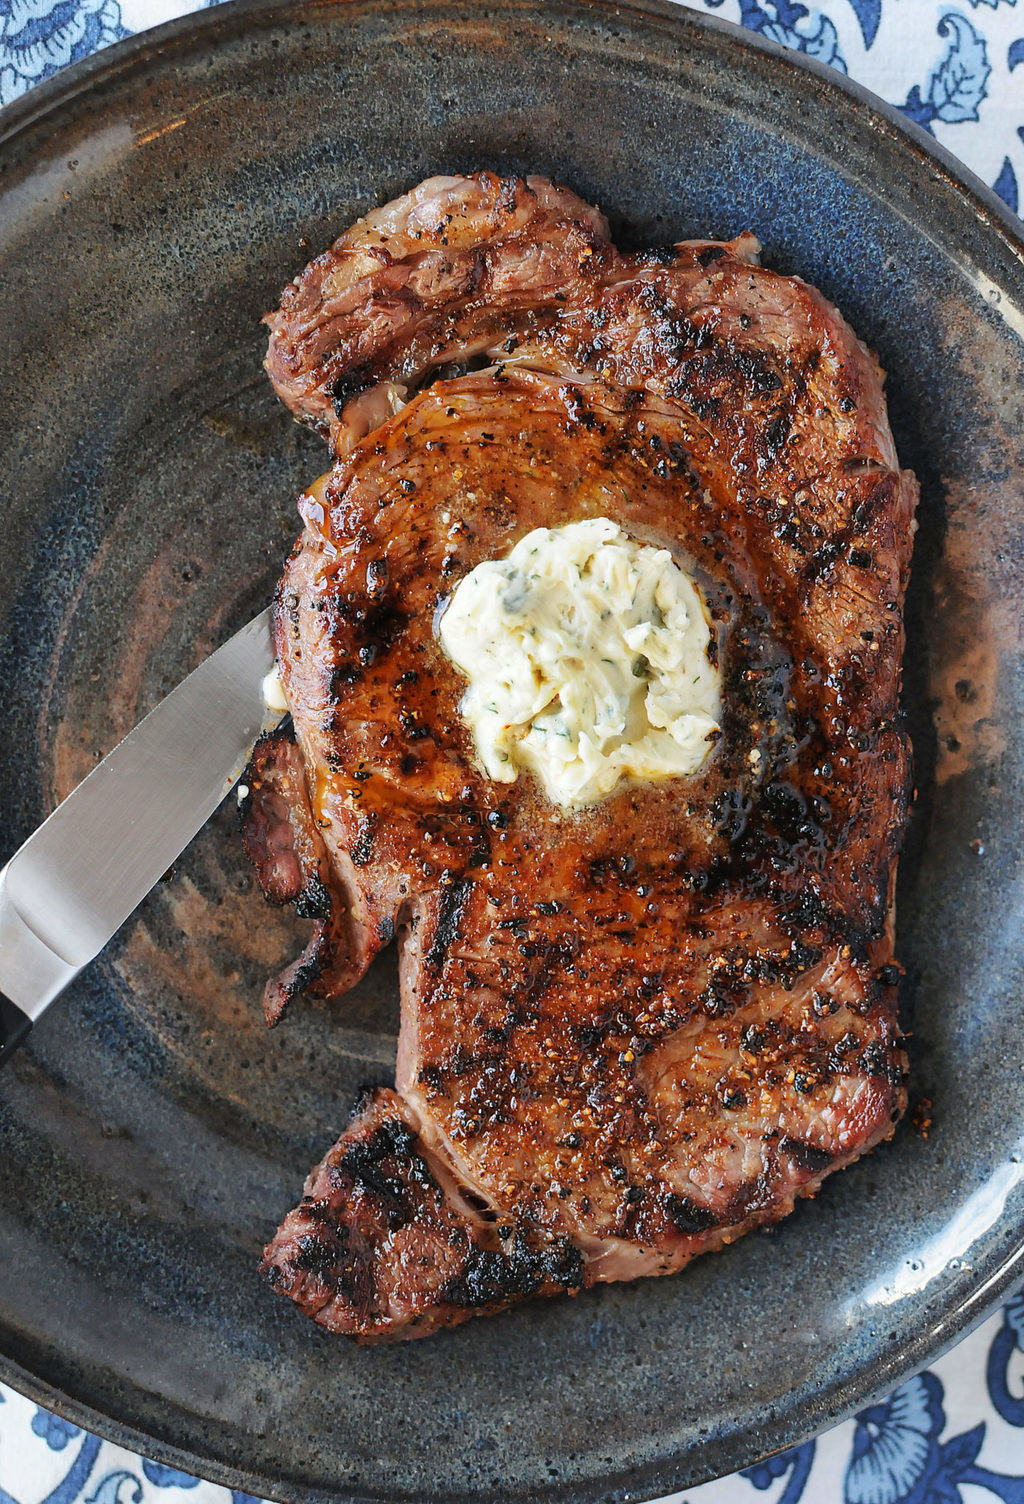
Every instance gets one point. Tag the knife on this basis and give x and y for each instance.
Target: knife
(72, 885)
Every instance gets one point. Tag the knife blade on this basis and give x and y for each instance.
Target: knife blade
(74, 882)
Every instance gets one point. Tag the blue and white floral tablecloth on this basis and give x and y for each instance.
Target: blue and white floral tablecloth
(954, 1434)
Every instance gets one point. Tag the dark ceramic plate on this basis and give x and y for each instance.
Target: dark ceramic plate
(152, 204)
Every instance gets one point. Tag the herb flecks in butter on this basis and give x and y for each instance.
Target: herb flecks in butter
(587, 656)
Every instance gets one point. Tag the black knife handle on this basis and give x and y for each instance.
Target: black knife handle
(14, 1025)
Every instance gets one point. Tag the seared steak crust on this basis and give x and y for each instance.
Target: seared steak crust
(637, 1030)
(384, 1243)
(284, 845)
(436, 276)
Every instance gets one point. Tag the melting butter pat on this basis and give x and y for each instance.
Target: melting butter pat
(588, 660)
(273, 692)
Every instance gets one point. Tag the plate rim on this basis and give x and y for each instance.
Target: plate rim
(233, 18)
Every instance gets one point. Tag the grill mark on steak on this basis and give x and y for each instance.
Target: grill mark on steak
(690, 1218)
(807, 1156)
(631, 1033)
(379, 1203)
(495, 1279)
(450, 912)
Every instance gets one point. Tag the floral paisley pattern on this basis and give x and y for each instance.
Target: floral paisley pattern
(54, 1431)
(892, 1444)
(794, 1465)
(794, 26)
(949, 67)
(167, 1477)
(952, 68)
(38, 37)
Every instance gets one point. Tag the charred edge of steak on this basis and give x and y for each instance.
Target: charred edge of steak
(314, 902)
(808, 1156)
(297, 976)
(687, 1216)
(282, 843)
(450, 914)
(266, 812)
(334, 1254)
(514, 1272)
(348, 385)
(388, 1168)
(382, 1171)
(363, 1100)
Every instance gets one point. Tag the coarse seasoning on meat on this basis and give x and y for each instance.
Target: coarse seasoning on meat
(634, 1029)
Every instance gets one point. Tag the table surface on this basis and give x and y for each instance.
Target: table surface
(955, 1433)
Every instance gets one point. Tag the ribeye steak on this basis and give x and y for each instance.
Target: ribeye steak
(633, 1031)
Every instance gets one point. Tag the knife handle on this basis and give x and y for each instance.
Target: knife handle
(14, 1025)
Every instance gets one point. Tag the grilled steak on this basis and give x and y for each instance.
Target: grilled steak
(381, 1205)
(633, 1031)
(437, 276)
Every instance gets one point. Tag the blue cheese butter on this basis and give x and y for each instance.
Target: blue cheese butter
(588, 659)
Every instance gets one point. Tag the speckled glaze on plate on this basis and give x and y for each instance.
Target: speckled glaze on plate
(152, 202)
